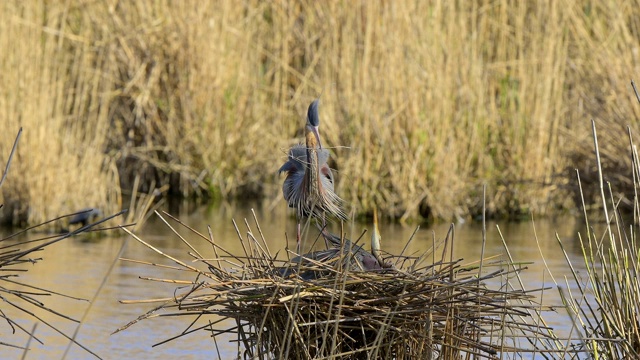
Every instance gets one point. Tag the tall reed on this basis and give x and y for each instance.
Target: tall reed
(605, 306)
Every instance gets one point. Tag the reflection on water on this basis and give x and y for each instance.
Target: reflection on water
(77, 266)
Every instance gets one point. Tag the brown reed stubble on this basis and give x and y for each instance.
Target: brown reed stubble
(432, 99)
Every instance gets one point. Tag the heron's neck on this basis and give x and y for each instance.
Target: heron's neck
(313, 173)
(375, 246)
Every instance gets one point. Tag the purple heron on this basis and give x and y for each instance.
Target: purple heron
(308, 187)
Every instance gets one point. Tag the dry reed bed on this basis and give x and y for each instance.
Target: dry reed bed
(429, 98)
(424, 307)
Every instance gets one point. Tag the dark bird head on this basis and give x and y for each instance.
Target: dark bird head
(313, 122)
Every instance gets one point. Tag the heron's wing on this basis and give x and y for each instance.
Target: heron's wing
(295, 190)
(293, 187)
(327, 176)
(323, 157)
(336, 241)
(320, 255)
(296, 159)
(298, 153)
(289, 166)
(331, 238)
(333, 203)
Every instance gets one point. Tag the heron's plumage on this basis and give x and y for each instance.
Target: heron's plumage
(296, 185)
(308, 186)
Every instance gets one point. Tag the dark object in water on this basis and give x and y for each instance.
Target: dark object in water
(85, 216)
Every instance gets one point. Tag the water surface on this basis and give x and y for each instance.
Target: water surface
(77, 266)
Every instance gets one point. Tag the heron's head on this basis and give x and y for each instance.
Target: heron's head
(313, 122)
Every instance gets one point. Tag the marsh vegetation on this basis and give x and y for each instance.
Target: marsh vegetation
(423, 102)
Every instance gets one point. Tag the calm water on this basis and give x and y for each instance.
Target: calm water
(77, 266)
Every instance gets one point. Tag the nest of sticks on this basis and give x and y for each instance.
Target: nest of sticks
(425, 306)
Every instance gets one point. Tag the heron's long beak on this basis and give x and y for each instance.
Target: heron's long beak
(314, 130)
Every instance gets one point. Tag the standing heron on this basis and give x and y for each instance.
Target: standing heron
(308, 187)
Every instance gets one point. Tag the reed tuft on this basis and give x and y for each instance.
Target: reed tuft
(605, 307)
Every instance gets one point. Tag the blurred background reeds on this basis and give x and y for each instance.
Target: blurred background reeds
(422, 102)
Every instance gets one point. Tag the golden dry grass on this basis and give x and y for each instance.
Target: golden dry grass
(431, 99)
(53, 91)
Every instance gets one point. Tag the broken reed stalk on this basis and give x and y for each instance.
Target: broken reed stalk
(329, 308)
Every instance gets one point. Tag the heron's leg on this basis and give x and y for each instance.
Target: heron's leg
(324, 226)
(298, 240)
